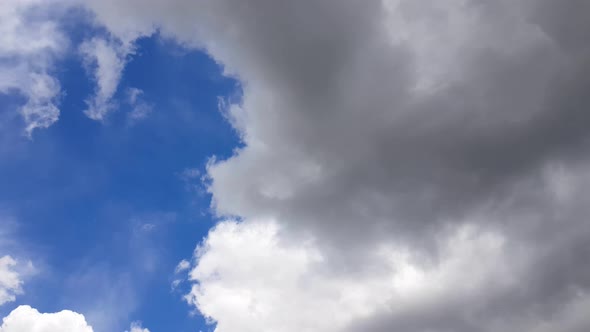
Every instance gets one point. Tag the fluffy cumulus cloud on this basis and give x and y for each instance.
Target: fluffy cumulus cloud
(406, 164)
(30, 42)
(27, 319)
(255, 279)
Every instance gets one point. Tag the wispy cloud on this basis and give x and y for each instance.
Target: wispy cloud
(30, 43)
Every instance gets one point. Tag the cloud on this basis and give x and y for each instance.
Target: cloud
(182, 266)
(104, 60)
(30, 43)
(26, 319)
(136, 327)
(250, 278)
(10, 280)
(140, 109)
(15, 270)
(405, 164)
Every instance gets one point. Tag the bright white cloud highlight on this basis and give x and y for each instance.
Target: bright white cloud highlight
(27, 319)
(249, 278)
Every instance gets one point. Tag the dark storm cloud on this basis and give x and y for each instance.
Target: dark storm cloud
(378, 151)
(359, 157)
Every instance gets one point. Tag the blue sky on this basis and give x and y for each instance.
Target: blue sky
(294, 166)
(92, 201)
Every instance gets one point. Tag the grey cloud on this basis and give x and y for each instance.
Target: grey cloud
(353, 153)
(364, 126)
(383, 152)
(565, 21)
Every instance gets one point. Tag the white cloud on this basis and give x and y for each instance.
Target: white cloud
(136, 327)
(104, 60)
(10, 280)
(30, 41)
(182, 266)
(249, 278)
(14, 269)
(140, 109)
(40, 110)
(27, 319)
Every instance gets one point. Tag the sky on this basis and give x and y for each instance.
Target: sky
(282, 166)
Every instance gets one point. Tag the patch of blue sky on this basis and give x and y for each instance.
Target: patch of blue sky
(103, 207)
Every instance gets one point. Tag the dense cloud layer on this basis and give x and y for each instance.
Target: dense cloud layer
(410, 165)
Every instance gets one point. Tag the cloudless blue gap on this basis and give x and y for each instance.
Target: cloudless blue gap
(82, 190)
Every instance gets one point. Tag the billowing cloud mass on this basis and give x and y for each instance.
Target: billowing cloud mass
(30, 42)
(407, 165)
(10, 280)
(27, 319)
